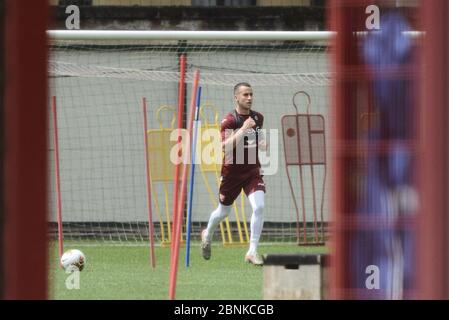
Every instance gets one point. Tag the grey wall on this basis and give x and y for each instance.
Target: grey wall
(101, 130)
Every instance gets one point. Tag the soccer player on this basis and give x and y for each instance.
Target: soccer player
(241, 140)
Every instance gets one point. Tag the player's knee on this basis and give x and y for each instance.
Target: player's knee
(224, 215)
(224, 211)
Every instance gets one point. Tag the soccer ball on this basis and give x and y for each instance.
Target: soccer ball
(73, 260)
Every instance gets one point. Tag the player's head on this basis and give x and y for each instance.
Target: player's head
(243, 95)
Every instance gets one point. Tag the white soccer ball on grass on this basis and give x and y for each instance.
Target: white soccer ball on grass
(73, 260)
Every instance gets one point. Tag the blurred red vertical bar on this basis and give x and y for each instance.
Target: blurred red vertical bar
(25, 171)
(345, 20)
(337, 271)
(57, 176)
(433, 219)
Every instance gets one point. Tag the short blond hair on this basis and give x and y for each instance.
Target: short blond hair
(241, 84)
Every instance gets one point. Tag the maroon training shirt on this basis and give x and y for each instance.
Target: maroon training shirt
(245, 155)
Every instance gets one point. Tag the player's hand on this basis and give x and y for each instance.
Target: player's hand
(263, 145)
(248, 124)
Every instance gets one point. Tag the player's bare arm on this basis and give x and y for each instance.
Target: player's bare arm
(238, 135)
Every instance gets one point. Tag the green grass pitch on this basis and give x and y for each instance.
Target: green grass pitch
(123, 272)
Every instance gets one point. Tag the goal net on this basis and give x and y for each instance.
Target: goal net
(98, 84)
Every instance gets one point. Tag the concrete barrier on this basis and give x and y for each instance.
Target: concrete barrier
(295, 276)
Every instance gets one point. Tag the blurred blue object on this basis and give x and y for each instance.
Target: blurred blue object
(385, 51)
(389, 45)
(387, 174)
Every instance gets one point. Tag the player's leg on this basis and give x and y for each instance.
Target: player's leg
(216, 217)
(206, 236)
(255, 190)
(257, 201)
(229, 191)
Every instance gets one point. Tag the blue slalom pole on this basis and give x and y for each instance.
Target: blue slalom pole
(192, 176)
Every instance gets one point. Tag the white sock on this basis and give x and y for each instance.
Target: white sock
(257, 203)
(215, 218)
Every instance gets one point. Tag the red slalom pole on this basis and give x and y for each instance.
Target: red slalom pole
(181, 95)
(178, 230)
(58, 178)
(148, 176)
